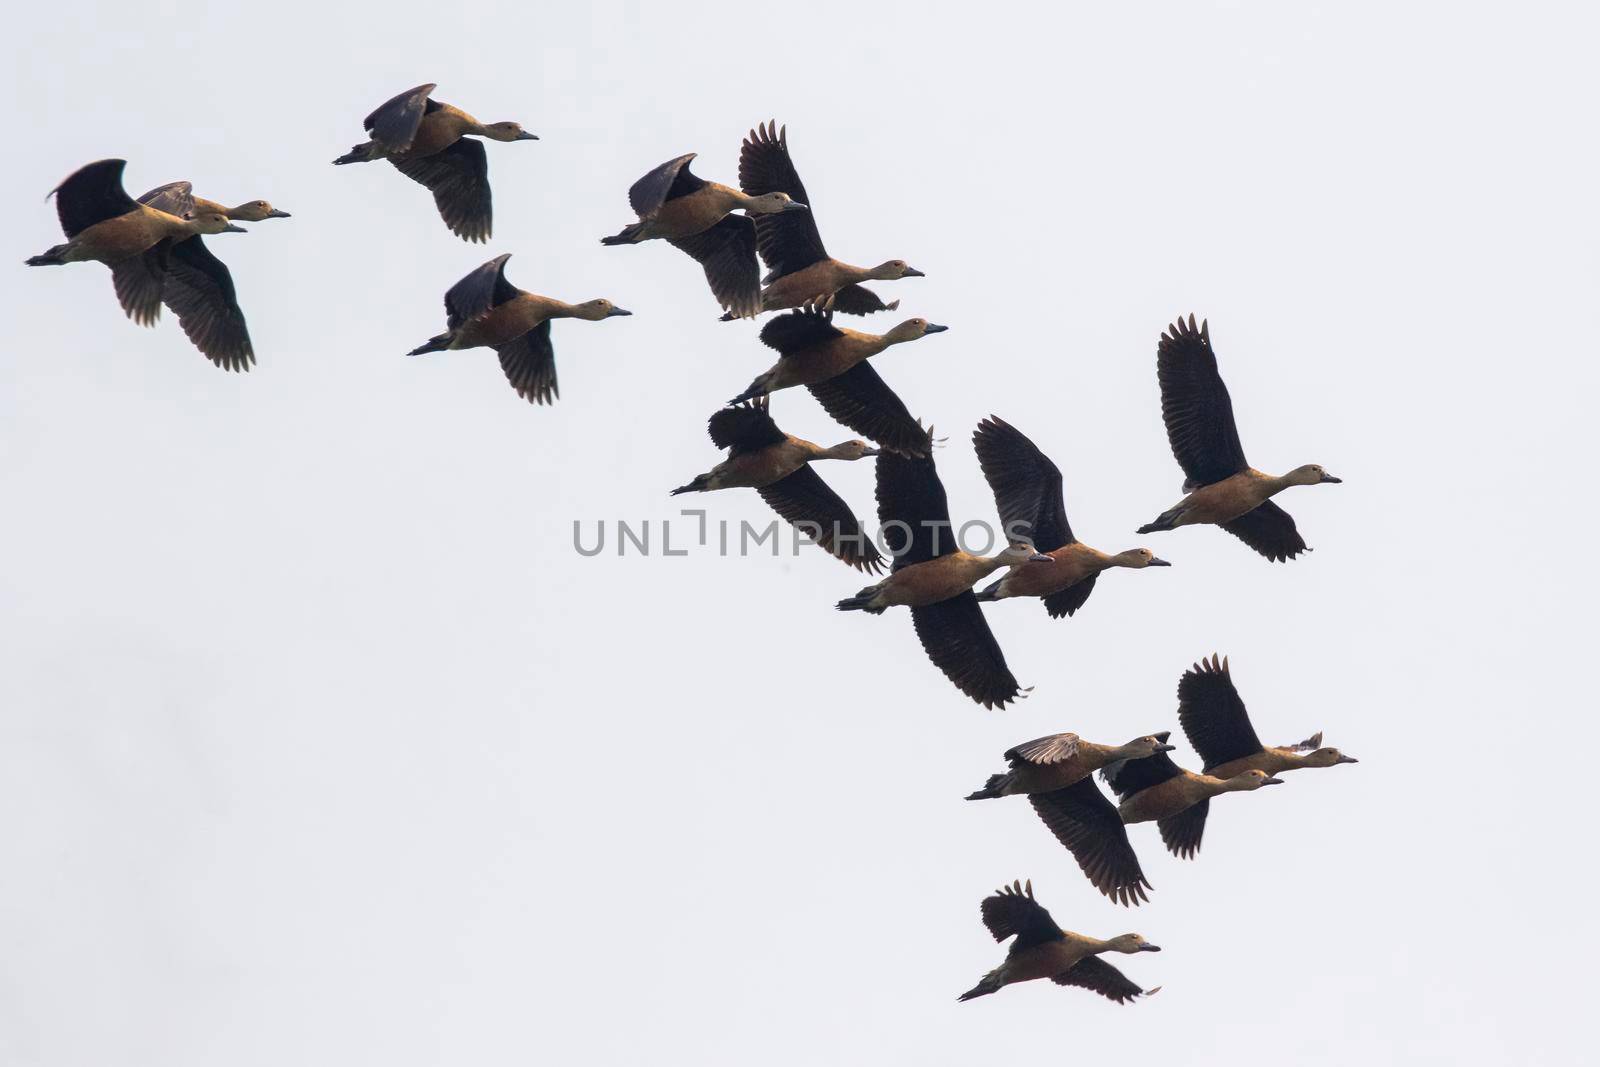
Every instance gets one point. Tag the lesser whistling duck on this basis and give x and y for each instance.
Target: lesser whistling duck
(799, 269)
(1156, 789)
(1044, 950)
(778, 466)
(1224, 490)
(933, 576)
(1217, 725)
(198, 286)
(831, 362)
(483, 310)
(429, 143)
(696, 216)
(104, 224)
(1045, 769)
(1027, 494)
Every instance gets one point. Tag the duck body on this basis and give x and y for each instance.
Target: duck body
(1073, 564)
(1218, 725)
(1221, 502)
(116, 239)
(1273, 761)
(685, 216)
(813, 285)
(824, 360)
(756, 470)
(1171, 797)
(506, 322)
(922, 584)
(1027, 776)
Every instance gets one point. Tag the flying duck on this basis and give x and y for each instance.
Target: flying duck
(1217, 725)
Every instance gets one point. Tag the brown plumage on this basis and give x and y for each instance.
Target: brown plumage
(430, 143)
(1215, 720)
(484, 310)
(1223, 489)
(831, 362)
(799, 269)
(1044, 950)
(1027, 494)
(1156, 789)
(778, 466)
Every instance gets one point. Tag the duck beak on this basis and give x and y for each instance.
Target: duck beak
(614, 312)
(1330, 478)
(932, 328)
(1272, 781)
(1149, 948)
(875, 451)
(795, 205)
(276, 214)
(1166, 748)
(231, 228)
(1346, 759)
(526, 136)
(1157, 561)
(1040, 557)
(912, 272)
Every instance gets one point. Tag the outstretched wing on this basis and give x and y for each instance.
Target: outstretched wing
(912, 510)
(394, 123)
(806, 501)
(744, 427)
(1098, 976)
(140, 280)
(1131, 776)
(1012, 910)
(1043, 751)
(1213, 715)
(727, 253)
(91, 194)
(859, 300)
(958, 640)
(200, 292)
(175, 198)
(486, 287)
(1088, 825)
(1181, 833)
(1071, 598)
(788, 240)
(458, 177)
(530, 365)
(1269, 530)
(1196, 407)
(861, 400)
(798, 330)
(667, 182)
(1026, 485)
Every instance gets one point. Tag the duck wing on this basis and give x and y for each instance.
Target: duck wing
(788, 240)
(1213, 716)
(1088, 826)
(1196, 407)
(1012, 910)
(1026, 485)
(800, 329)
(862, 401)
(485, 288)
(530, 365)
(744, 427)
(200, 292)
(394, 123)
(458, 177)
(93, 193)
(140, 280)
(1098, 976)
(1043, 751)
(667, 182)
(912, 510)
(859, 300)
(175, 198)
(1269, 530)
(958, 640)
(1181, 833)
(805, 501)
(1071, 598)
(727, 253)
(1129, 776)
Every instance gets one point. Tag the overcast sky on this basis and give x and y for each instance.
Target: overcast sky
(320, 744)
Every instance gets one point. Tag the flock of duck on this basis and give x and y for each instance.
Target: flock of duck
(157, 258)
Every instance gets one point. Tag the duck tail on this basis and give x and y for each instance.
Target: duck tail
(988, 984)
(991, 592)
(755, 389)
(701, 481)
(994, 787)
(1167, 520)
(51, 257)
(628, 236)
(862, 601)
(432, 344)
(361, 153)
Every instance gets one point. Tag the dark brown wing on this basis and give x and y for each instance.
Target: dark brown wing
(1012, 910)
(804, 499)
(1026, 485)
(958, 640)
(799, 329)
(1269, 530)
(1181, 833)
(1196, 407)
(1043, 751)
(200, 292)
(1071, 598)
(175, 198)
(1130, 776)
(459, 180)
(862, 401)
(530, 365)
(485, 288)
(1213, 716)
(667, 182)
(788, 240)
(859, 300)
(1098, 976)
(744, 427)
(93, 193)
(394, 123)
(913, 514)
(139, 282)
(727, 252)
(1088, 825)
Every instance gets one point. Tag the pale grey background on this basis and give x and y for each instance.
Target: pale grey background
(319, 744)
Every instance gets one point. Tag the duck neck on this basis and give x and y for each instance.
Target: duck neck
(841, 450)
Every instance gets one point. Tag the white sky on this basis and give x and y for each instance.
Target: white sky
(320, 745)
